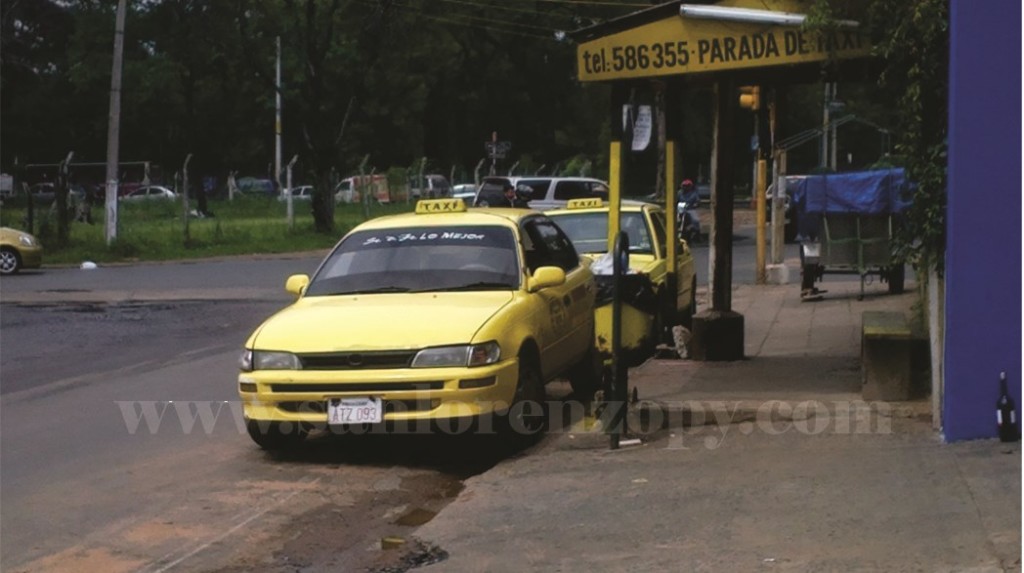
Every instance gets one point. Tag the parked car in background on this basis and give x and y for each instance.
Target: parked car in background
(430, 187)
(543, 192)
(464, 191)
(351, 189)
(18, 250)
(257, 186)
(45, 193)
(150, 192)
(6, 185)
(300, 193)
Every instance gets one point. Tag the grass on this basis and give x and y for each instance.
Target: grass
(155, 230)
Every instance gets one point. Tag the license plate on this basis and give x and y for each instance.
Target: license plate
(355, 410)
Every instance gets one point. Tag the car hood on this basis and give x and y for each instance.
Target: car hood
(378, 321)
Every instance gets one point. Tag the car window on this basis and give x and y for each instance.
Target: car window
(566, 190)
(547, 245)
(420, 259)
(589, 231)
(538, 187)
(639, 235)
(658, 222)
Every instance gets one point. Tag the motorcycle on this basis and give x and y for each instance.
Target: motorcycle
(688, 221)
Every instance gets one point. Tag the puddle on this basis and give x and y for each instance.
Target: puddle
(415, 517)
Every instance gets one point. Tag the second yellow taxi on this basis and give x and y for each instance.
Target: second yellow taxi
(586, 223)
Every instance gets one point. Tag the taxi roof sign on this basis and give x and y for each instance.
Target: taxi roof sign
(587, 203)
(428, 206)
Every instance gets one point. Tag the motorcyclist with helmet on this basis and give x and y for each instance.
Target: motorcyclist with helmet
(688, 200)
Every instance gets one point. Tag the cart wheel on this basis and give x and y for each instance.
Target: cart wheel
(808, 273)
(896, 276)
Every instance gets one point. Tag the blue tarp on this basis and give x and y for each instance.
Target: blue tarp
(861, 192)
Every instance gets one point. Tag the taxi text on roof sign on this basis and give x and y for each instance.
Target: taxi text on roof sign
(588, 203)
(440, 206)
(677, 45)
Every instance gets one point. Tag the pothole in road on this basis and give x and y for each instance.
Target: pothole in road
(370, 535)
(369, 523)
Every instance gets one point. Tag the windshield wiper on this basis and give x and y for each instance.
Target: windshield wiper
(483, 285)
(382, 289)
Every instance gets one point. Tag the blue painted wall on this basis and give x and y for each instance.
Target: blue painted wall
(983, 261)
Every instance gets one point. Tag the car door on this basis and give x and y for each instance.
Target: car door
(569, 307)
(684, 261)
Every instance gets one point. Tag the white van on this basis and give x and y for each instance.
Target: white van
(434, 186)
(544, 192)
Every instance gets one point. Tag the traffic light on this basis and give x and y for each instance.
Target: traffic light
(750, 97)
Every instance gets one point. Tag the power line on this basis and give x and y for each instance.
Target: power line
(481, 22)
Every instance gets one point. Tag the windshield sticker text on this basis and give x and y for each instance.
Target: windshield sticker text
(429, 236)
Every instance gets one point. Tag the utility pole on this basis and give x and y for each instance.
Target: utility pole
(826, 129)
(289, 198)
(114, 124)
(494, 151)
(277, 117)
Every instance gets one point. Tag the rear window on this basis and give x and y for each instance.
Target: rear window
(567, 190)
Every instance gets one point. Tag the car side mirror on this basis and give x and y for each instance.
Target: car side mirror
(545, 277)
(296, 284)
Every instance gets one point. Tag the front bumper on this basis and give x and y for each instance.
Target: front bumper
(31, 257)
(407, 393)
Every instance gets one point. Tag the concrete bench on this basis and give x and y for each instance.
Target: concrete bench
(886, 343)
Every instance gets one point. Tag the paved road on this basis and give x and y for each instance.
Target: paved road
(94, 478)
(122, 448)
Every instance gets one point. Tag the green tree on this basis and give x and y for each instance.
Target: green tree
(913, 41)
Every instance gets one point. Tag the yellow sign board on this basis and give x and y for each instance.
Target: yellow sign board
(678, 45)
(586, 203)
(427, 206)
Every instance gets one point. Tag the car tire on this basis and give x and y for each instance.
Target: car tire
(527, 415)
(10, 261)
(687, 319)
(275, 436)
(585, 375)
(896, 275)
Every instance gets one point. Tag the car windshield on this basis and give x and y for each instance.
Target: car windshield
(589, 231)
(420, 259)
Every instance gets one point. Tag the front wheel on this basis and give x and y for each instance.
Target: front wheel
(585, 376)
(527, 417)
(10, 262)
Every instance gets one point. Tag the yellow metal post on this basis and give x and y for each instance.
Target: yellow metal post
(760, 190)
(614, 191)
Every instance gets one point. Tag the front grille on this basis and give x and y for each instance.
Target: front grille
(390, 406)
(363, 387)
(358, 360)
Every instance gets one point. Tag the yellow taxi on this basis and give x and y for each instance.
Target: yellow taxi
(585, 221)
(443, 315)
(18, 250)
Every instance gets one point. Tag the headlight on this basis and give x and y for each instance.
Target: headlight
(27, 240)
(463, 355)
(267, 360)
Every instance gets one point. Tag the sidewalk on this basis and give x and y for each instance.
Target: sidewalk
(777, 465)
